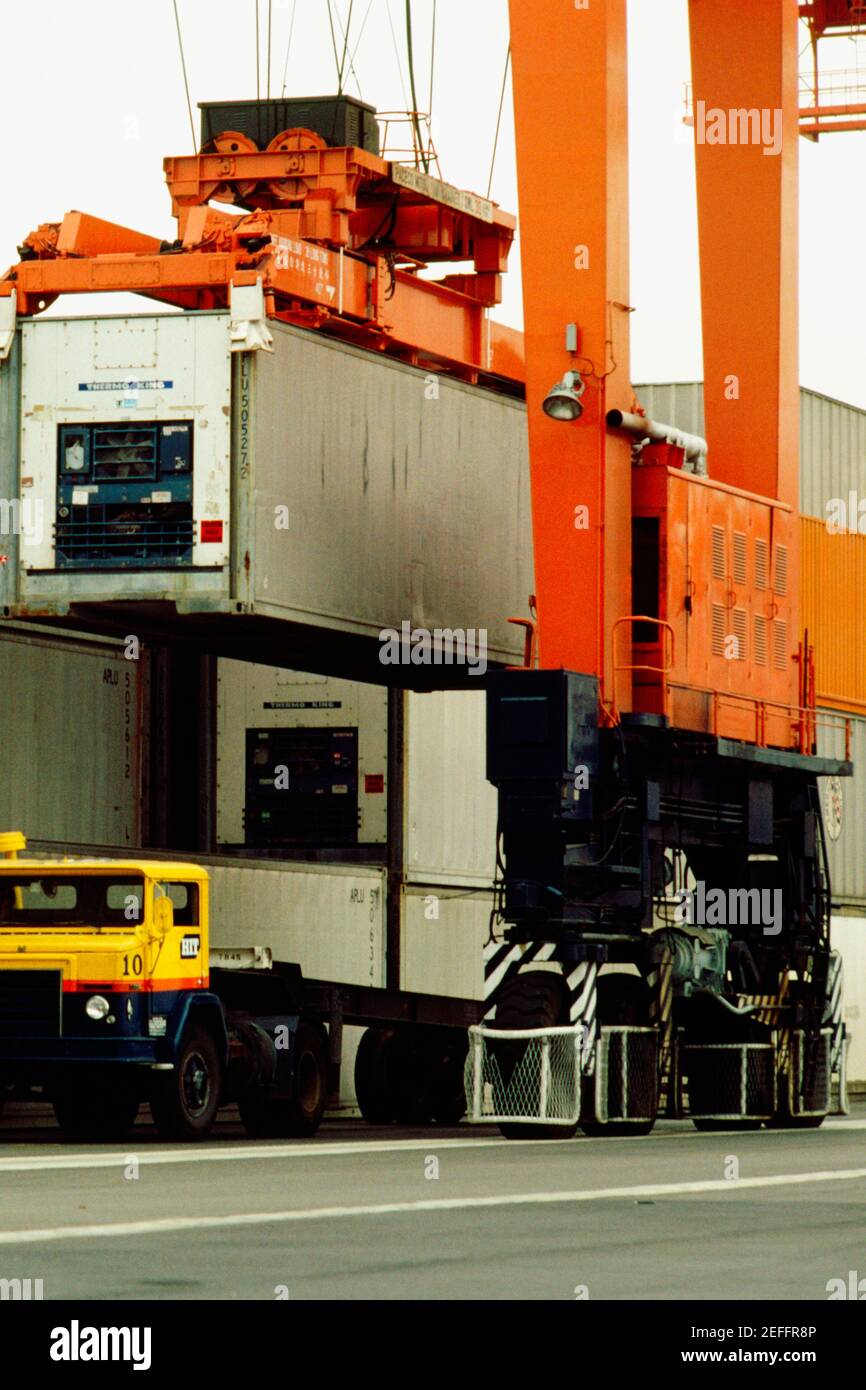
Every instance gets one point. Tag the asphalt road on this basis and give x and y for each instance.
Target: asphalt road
(362, 1213)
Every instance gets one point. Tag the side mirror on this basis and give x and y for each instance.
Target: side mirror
(163, 915)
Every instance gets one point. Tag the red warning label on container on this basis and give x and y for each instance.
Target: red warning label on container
(374, 782)
(211, 531)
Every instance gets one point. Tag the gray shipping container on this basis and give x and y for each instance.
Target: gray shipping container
(832, 438)
(71, 745)
(339, 493)
(846, 835)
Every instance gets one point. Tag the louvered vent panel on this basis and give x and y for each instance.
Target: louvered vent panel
(718, 629)
(762, 565)
(739, 558)
(780, 644)
(781, 584)
(741, 632)
(760, 640)
(720, 569)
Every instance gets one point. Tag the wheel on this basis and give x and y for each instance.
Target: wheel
(446, 1062)
(299, 1115)
(375, 1095)
(184, 1101)
(411, 1076)
(623, 1002)
(229, 143)
(290, 142)
(796, 1121)
(95, 1112)
(536, 999)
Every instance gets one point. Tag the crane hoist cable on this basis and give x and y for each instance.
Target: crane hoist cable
(268, 83)
(499, 119)
(185, 79)
(432, 62)
(416, 124)
(258, 60)
(289, 46)
(397, 55)
(345, 48)
(354, 53)
(334, 40)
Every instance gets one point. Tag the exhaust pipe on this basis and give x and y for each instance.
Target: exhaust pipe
(696, 449)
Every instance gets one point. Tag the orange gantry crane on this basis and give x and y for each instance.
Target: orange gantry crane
(661, 836)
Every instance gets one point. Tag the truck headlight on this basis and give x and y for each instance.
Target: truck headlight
(97, 1007)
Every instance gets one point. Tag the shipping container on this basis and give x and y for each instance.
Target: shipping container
(834, 613)
(844, 811)
(332, 738)
(444, 931)
(849, 937)
(177, 482)
(450, 805)
(71, 739)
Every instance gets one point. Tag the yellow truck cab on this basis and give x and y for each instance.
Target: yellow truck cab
(107, 999)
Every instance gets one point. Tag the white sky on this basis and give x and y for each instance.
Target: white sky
(94, 100)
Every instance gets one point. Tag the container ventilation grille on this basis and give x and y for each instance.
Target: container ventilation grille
(781, 585)
(718, 629)
(720, 568)
(760, 640)
(780, 644)
(762, 565)
(739, 558)
(741, 633)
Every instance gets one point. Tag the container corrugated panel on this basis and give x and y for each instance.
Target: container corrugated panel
(70, 740)
(847, 853)
(848, 935)
(832, 438)
(451, 807)
(834, 613)
(407, 495)
(443, 941)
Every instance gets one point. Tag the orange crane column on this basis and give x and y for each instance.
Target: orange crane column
(571, 119)
(746, 99)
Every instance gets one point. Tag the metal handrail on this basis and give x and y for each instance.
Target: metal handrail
(662, 671)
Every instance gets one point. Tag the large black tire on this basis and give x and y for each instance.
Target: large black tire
(185, 1100)
(95, 1112)
(447, 1063)
(373, 1088)
(411, 1076)
(299, 1115)
(623, 1002)
(535, 999)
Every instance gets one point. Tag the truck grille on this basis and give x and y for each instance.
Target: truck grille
(30, 1002)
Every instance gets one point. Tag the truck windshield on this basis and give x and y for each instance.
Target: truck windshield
(54, 899)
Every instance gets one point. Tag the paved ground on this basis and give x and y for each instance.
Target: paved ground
(361, 1213)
